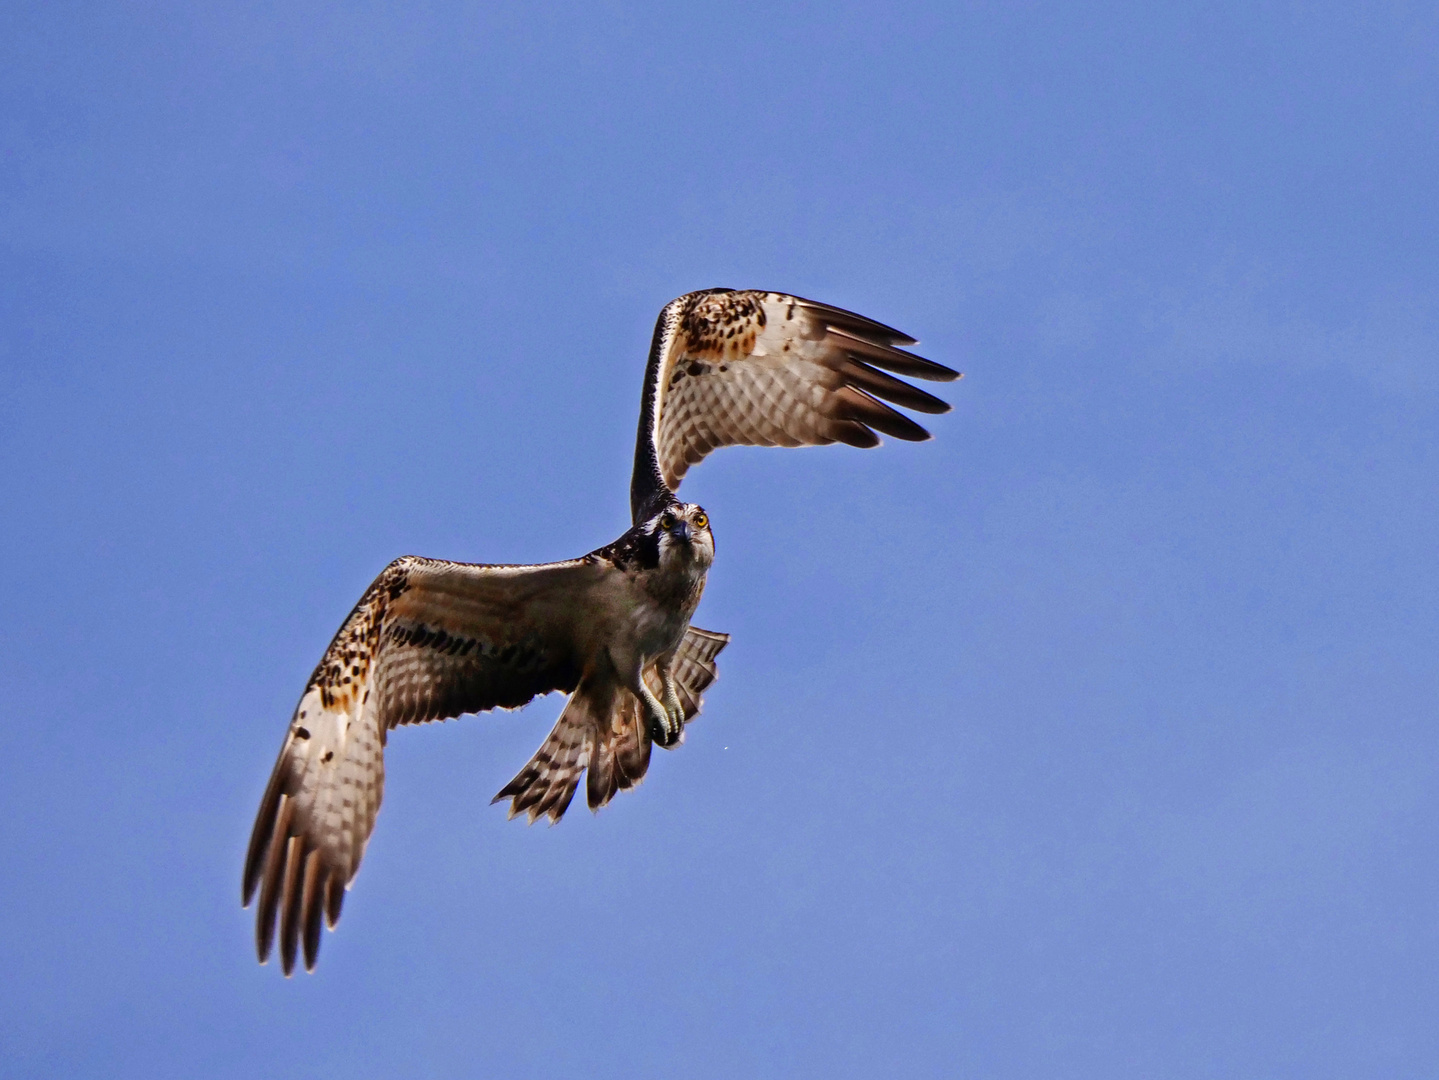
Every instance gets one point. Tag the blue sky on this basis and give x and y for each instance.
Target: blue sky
(1094, 738)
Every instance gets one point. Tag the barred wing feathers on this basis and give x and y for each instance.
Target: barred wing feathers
(768, 369)
(429, 640)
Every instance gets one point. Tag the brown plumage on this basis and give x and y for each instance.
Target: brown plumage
(431, 639)
(749, 368)
(604, 732)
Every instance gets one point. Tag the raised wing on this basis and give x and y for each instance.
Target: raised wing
(428, 640)
(767, 369)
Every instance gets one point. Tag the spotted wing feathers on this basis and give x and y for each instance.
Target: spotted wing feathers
(427, 641)
(768, 369)
(314, 821)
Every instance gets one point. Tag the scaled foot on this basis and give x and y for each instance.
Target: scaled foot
(666, 722)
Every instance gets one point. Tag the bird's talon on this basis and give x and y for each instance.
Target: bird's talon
(674, 715)
(658, 723)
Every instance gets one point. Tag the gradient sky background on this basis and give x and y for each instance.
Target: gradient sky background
(1095, 738)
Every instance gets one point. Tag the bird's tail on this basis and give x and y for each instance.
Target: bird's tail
(694, 668)
(602, 729)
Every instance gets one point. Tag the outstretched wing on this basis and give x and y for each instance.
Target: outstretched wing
(428, 640)
(766, 369)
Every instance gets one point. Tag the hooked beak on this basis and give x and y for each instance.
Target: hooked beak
(681, 531)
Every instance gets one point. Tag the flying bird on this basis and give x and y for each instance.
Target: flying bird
(431, 639)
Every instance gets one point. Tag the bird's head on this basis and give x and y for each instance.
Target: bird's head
(681, 532)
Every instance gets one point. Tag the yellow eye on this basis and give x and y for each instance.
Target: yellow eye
(667, 522)
(701, 520)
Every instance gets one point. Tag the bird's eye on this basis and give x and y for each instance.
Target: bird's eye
(667, 522)
(701, 520)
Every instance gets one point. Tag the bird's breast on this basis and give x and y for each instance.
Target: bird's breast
(665, 598)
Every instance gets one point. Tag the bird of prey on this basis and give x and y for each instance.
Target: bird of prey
(431, 639)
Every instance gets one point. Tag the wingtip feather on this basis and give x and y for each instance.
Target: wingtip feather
(312, 909)
(270, 875)
(853, 322)
(290, 905)
(334, 900)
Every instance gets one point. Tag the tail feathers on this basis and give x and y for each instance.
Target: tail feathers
(694, 668)
(602, 729)
(622, 752)
(547, 782)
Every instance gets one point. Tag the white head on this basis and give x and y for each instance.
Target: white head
(681, 535)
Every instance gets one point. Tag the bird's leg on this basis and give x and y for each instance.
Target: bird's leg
(656, 716)
(664, 719)
(673, 709)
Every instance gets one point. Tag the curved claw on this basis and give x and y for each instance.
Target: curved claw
(657, 721)
(665, 725)
(675, 712)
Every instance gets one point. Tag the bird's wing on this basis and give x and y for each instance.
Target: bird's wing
(766, 369)
(428, 640)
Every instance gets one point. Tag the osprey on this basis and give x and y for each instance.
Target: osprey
(430, 639)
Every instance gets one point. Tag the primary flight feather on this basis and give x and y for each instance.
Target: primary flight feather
(430, 640)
